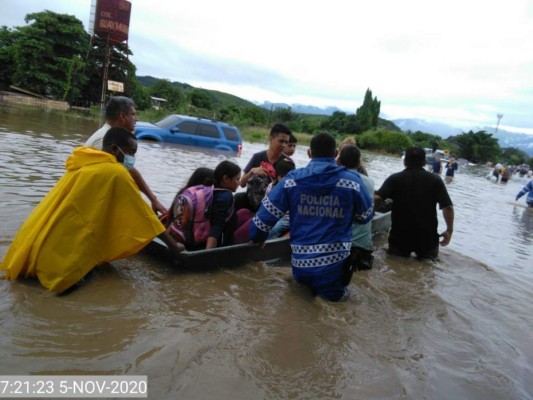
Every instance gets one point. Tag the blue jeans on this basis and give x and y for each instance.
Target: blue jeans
(333, 291)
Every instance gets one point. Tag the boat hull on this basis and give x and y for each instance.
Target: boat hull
(242, 253)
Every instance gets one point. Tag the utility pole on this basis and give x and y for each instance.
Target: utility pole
(105, 76)
(499, 116)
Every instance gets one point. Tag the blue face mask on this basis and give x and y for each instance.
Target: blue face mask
(129, 161)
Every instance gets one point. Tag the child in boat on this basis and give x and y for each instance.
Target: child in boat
(290, 149)
(223, 216)
(350, 140)
(282, 167)
(223, 220)
(201, 176)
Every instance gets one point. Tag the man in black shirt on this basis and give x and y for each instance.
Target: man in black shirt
(259, 172)
(415, 193)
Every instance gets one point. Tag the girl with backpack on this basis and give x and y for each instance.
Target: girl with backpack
(200, 176)
(202, 215)
(223, 216)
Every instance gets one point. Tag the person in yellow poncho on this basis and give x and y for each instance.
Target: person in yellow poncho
(93, 215)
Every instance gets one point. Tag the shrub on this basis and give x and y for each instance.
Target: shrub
(381, 139)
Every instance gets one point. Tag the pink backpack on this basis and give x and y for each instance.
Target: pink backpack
(190, 214)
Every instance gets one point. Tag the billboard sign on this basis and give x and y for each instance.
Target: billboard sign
(112, 19)
(115, 86)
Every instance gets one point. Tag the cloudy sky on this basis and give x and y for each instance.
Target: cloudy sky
(460, 62)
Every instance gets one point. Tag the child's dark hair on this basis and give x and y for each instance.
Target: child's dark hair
(228, 168)
(350, 156)
(201, 176)
(283, 166)
(292, 138)
(117, 136)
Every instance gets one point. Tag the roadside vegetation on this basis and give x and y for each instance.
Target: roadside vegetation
(53, 56)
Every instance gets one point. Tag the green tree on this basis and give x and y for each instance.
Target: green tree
(310, 126)
(426, 140)
(366, 116)
(478, 147)
(353, 125)
(284, 115)
(50, 53)
(8, 39)
(74, 79)
(254, 115)
(229, 114)
(199, 98)
(514, 156)
(381, 139)
(139, 94)
(164, 89)
(336, 123)
(295, 125)
(120, 69)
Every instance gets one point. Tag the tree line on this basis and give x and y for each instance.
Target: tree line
(54, 56)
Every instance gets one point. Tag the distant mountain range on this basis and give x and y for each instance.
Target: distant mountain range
(434, 128)
(521, 141)
(301, 109)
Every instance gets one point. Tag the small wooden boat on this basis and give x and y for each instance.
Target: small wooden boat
(242, 253)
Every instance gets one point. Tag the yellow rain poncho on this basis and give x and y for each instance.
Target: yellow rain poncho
(94, 214)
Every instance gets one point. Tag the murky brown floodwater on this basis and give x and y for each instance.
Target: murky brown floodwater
(459, 328)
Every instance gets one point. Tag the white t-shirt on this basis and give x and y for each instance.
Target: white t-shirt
(97, 138)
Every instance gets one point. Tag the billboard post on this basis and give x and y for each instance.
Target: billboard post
(105, 75)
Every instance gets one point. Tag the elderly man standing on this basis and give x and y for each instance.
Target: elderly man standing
(415, 193)
(120, 112)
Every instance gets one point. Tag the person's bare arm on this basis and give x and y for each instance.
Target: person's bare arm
(211, 243)
(448, 214)
(246, 177)
(173, 246)
(143, 187)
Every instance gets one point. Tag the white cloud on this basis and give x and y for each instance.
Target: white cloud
(454, 61)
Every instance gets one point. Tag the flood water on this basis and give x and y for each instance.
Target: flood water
(458, 328)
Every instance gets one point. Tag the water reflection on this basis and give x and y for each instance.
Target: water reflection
(457, 328)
